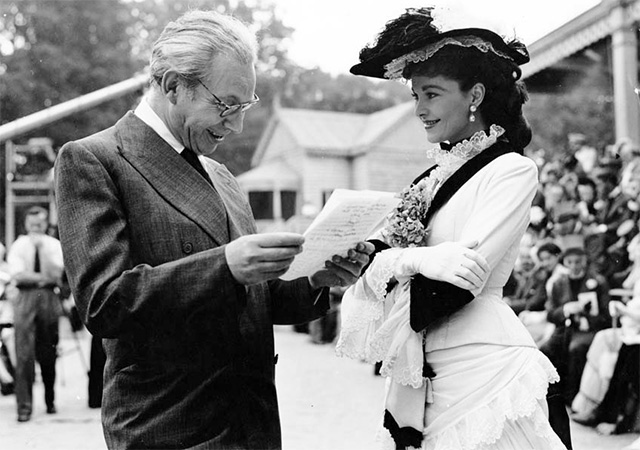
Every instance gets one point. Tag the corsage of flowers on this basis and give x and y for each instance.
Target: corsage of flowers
(405, 228)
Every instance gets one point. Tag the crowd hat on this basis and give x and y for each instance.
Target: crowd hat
(390, 62)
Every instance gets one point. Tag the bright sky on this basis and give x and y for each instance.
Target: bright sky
(330, 33)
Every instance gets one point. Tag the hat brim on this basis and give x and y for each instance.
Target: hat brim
(375, 67)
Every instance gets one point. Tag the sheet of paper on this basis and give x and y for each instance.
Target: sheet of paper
(348, 218)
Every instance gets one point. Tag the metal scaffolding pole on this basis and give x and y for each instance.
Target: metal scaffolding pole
(46, 116)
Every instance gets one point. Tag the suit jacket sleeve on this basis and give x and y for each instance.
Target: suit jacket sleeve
(295, 302)
(114, 294)
(499, 217)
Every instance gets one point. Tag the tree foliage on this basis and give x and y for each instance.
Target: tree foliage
(54, 51)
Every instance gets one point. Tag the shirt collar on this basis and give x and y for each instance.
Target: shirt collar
(149, 116)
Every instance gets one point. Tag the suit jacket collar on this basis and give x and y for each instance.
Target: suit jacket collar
(172, 177)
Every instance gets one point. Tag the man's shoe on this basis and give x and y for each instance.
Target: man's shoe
(24, 417)
(51, 409)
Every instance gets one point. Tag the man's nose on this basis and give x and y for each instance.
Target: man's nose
(234, 122)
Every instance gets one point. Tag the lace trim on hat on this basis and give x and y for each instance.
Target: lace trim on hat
(395, 68)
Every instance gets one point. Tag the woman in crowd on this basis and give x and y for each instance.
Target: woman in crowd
(462, 370)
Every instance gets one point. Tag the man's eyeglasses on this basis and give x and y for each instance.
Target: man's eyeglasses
(227, 110)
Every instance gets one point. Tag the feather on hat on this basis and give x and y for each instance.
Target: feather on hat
(412, 37)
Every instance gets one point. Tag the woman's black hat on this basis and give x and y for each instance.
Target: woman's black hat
(486, 40)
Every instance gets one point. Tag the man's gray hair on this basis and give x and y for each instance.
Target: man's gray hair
(190, 43)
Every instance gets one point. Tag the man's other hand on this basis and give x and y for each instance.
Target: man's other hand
(343, 271)
(262, 257)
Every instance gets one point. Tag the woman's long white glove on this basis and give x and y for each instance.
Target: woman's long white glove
(452, 262)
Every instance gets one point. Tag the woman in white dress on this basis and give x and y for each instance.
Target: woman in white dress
(463, 372)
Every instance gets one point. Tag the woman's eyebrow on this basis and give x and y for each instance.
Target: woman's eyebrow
(432, 86)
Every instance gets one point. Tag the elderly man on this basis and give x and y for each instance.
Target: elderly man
(163, 258)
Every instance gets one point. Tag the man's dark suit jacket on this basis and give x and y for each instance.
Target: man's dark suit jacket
(190, 352)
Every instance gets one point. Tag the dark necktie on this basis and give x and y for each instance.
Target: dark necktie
(36, 262)
(190, 156)
(193, 160)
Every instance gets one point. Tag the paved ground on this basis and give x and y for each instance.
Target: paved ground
(327, 403)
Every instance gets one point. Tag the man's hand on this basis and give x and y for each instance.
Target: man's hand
(262, 257)
(343, 271)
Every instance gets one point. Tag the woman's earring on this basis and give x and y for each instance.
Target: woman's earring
(472, 117)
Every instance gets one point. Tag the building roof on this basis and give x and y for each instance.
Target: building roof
(579, 33)
(381, 122)
(269, 176)
(323, 130)
(331, 132)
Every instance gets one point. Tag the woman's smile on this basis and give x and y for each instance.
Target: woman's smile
(428, 124)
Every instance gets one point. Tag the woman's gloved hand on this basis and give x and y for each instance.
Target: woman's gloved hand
(452, 262)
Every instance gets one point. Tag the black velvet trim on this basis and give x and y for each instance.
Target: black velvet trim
(379, 246)
(464, 174)
(403, 437)
(424, 174)
(427, 370)
(432, 300)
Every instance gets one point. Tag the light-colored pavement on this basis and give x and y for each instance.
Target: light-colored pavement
(327, 403)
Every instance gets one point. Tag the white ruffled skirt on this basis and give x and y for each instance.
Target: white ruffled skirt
(488, 397)
(484, 396)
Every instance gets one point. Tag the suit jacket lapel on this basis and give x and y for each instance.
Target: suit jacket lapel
(240, 217)
(172, 177)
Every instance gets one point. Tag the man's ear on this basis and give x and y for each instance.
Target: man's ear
(169, 85)
(477, 92)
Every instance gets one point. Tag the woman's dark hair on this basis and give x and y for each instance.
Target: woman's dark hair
(505, 93)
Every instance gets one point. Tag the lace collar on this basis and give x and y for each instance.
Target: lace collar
(405, 227)
(465, 149)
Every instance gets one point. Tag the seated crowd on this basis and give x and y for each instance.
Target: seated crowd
(582, 247)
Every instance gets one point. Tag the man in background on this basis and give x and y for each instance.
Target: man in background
(36, 265)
